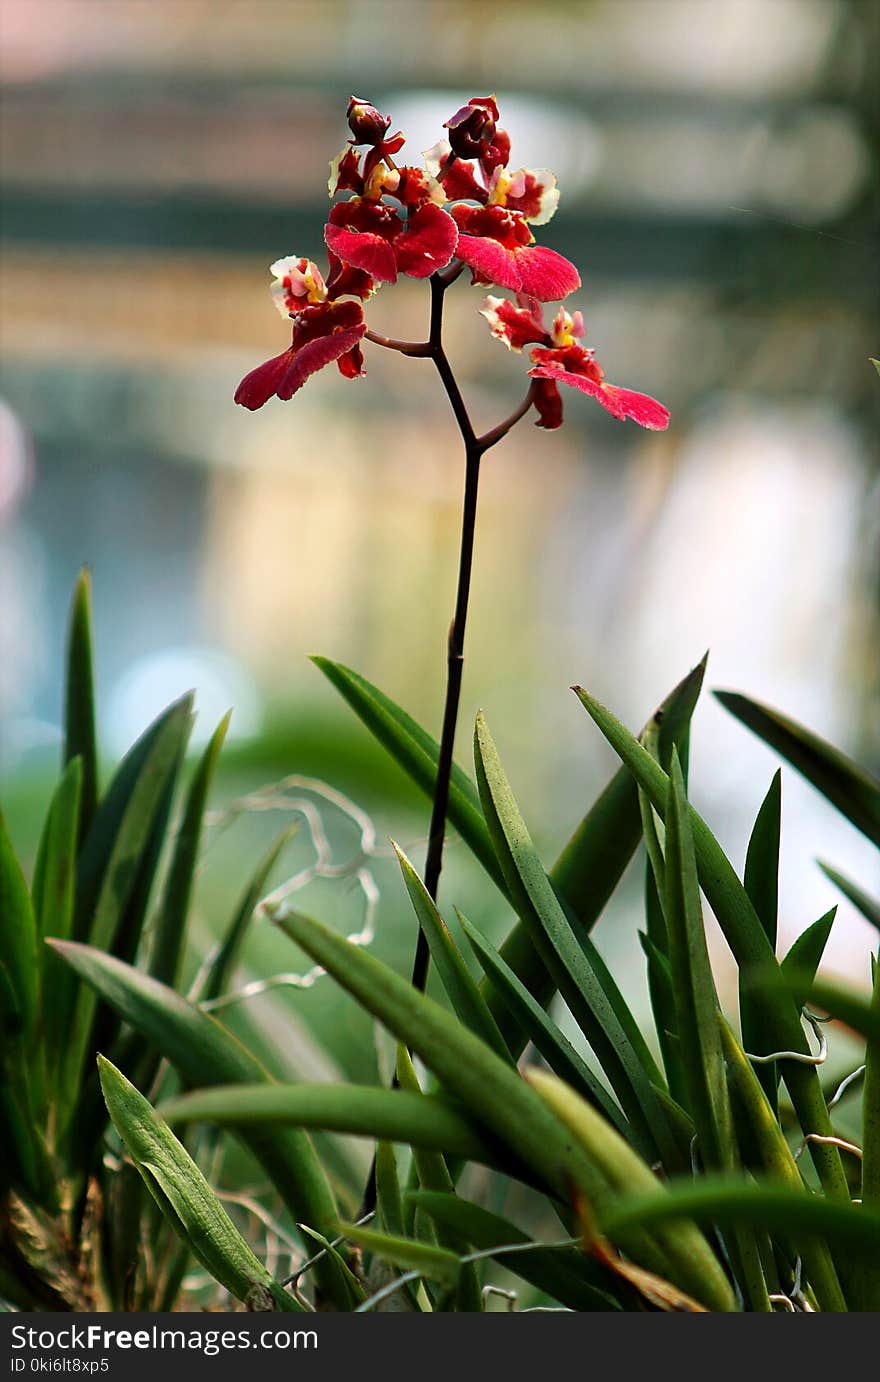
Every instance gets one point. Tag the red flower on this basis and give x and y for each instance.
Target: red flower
(324, 329)
(558, 358)
(370, 235)
(498, 247)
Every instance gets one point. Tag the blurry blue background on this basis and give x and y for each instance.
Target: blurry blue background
(719, 194)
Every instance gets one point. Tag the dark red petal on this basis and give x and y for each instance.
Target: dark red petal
(458, 180)
(258, 386)
(546, 275)
(620, 403)
(517, 324)
(363, 250)
(548, 403)
(343, 279)
(351, 364)
(427, 243)
(314, 356)
(490, 261)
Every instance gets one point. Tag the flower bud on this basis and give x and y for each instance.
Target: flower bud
(365, 122)
(472, 128)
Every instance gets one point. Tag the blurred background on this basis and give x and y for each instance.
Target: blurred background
(718, 167)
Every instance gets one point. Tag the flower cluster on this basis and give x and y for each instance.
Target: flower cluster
(463, 207)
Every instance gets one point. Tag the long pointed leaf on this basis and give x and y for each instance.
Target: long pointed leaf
(867, 905)
(80, 739)
(185, 1197)
(170, 926)
(576, 978)
(748, 941)
(461, 990)
(852, 790)
(204, 1052)
(761, 882)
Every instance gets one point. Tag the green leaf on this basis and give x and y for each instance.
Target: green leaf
(433, 1174)
(871, 1105)
(80, 739)
(805, 956)
(431, 1262)
(185, 1197)
(170, 924)
(852, 790)
(569, 963)
(18, 937)
(689, 1261)
(540, 1029)
(559, 1272)
(762, 885)
(590, 866)
(389, 1201)
(462, 992)
(55, 869)
(220, 971)
(844, 1005)
(493, 1093)
(417, 753)
(730, 1200)
(747, 940)
(867, 905)
(421, 1120)
(119, 858)
(764, 1148)
(696, 1002)
(204, 1052)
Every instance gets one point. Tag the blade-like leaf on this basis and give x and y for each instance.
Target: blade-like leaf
(761, 882)
(844, 1005)
(728, 1200)
(417, 753)
(55, 868)
(696, 1002)
(421, 1120)
(170, 925)
(696, 1005)
(204, 1052)
(461, 990)
(852, 790)
(867, 905)
(590, 866)
(80, 740)
(747, 940)
(492, 1092)
(568, 962)
(691, 1262)
(560, 1272)
(18, 939)
(119, 857)
(184, 1196)
(431, 1262)
(805, 956)
(433, 1174)
(546, 1037)
(871, 1106)
(765, 1149)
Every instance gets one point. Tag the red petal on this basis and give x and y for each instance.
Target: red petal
(546, 275)
(363, 250)
(620, 403)
(548, 404)
(351, 364)
(458, 180)
(490, 261)
(427, 242)
(258, 386)
(314, 356)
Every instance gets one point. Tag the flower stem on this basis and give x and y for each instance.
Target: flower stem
(475, 448)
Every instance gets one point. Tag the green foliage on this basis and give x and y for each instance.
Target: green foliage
(652, 1168)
